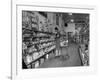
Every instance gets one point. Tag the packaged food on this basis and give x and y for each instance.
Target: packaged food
(47, 56)
(29, 59)
(35, 55)
(36, 64)
(29, 66)
(41, 60)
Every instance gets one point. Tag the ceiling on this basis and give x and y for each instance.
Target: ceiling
(76, 17)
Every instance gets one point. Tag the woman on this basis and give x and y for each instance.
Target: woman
(57, 39)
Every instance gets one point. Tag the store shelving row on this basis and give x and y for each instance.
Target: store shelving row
(44, 54)
(41, 48)
(38, 53)
(45, 46)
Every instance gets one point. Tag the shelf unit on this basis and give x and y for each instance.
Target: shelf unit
(46, 49)
(83, 40)
(84, 55)
(41, 56)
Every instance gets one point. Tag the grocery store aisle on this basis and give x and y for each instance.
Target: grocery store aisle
(70, 57)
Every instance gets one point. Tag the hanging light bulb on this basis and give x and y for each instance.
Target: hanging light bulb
(72, 20)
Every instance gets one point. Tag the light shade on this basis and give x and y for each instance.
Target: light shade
(72, 20)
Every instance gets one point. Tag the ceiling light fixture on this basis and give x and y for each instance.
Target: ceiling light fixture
(72, 20)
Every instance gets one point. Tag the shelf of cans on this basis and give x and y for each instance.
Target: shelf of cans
(40, 59)
(37, 55)
(84, 53)
(33, 53)
(82, 38)
(34, 50)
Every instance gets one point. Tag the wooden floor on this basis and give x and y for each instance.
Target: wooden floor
(70, 57)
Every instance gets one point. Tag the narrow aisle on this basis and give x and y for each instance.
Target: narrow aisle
(70, 57)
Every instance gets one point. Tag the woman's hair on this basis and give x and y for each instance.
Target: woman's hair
(56, 28)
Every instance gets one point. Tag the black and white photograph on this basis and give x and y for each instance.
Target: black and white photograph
(55, 39)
